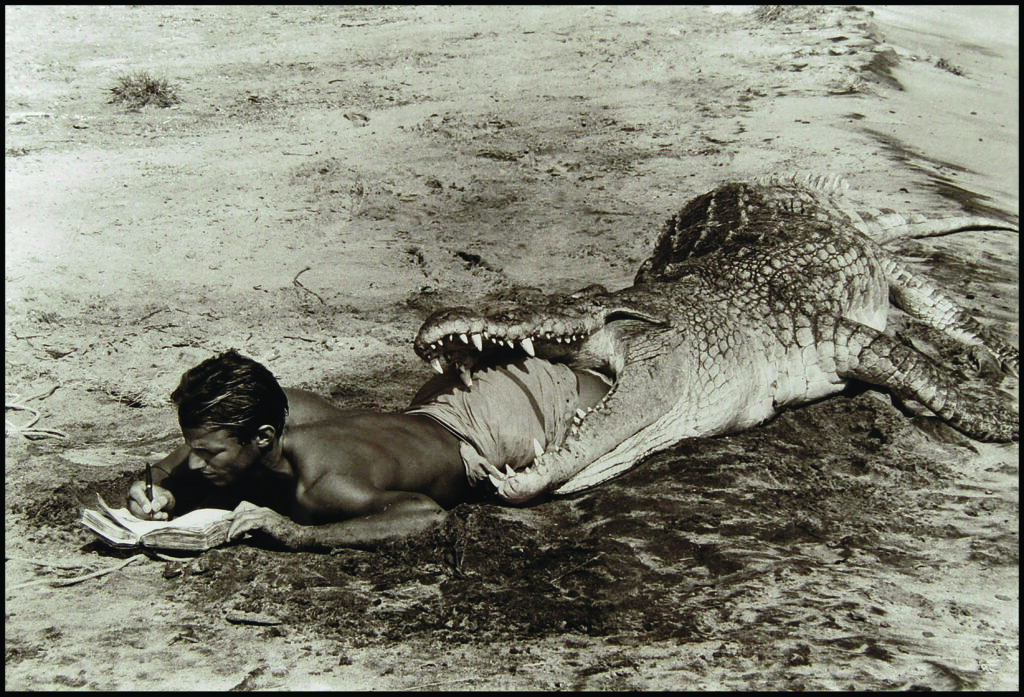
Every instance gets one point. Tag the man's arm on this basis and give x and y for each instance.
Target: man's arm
(373, 516)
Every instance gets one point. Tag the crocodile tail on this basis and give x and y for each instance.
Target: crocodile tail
(830, 184)
(829, 193)
(883, 227)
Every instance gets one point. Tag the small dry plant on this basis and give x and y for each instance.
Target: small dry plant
(139, 89)
(950, 67)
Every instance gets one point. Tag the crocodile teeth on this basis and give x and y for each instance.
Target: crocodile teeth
(478, 342)
(538, 449)
(578, 418)
(509, 472)
(464, 338)
(467, 379)
(527, 344)
(436, 365)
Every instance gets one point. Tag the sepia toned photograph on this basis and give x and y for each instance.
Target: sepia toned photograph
(422, 348)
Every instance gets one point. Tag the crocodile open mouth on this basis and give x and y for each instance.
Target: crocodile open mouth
(460, 341)
(589, 331)
(466, 352)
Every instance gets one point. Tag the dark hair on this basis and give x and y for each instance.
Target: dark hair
(231, 392)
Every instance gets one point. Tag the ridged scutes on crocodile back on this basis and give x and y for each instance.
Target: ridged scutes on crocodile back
(739, 214)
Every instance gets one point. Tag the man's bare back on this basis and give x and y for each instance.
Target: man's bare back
(326, 477)
(363, 451)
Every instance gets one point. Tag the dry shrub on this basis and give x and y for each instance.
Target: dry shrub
(139, 89)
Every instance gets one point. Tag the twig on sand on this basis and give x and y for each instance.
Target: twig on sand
(258, 618)
(577, 567)
(154, 312)
(430, 685)
(44, 394)
(298, 284)
(78, 579)
(40, 562)
(25, 430)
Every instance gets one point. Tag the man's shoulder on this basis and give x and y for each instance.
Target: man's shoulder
(304, 400)
(311, 412)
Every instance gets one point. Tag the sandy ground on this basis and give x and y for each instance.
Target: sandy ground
(333, 175)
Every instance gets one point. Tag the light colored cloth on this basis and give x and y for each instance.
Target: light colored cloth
(507, 408)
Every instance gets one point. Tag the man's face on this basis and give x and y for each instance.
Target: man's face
(218, 455)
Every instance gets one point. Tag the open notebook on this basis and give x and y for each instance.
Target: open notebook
(195, 531)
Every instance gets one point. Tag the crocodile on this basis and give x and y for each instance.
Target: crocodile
(759, 296)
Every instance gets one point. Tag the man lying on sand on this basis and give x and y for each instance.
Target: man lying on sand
(327, 477)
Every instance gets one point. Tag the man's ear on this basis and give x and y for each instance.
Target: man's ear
(265, 436)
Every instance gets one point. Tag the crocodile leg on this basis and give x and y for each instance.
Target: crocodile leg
(920, 298)
(863, 353)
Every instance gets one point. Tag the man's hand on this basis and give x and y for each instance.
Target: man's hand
(141, 507)
(249, 517)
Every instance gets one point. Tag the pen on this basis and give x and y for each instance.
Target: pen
(149, 482)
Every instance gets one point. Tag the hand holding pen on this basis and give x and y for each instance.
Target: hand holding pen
(149, 501)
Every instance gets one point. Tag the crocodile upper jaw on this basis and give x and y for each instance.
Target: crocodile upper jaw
(583, 333)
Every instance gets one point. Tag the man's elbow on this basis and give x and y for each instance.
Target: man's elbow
(433, 517)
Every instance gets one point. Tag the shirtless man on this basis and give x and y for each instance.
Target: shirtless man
(324, 477)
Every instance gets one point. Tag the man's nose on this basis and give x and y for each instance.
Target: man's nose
(195, 462)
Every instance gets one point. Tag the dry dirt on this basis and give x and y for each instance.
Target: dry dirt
(330, 176)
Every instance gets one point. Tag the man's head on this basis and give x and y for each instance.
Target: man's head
(233, 403)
